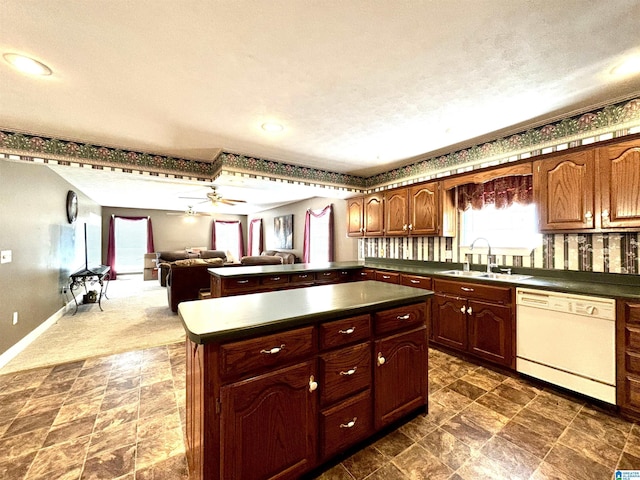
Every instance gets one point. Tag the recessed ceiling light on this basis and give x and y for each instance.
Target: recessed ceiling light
(272, 127)
(26, 64)
(628, 67)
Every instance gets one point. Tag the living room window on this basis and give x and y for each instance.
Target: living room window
(227, 236)
(318, 235)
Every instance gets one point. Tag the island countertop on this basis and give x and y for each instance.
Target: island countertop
(236, 317)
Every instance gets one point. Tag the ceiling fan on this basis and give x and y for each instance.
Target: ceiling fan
(190, 212)
(215, 198)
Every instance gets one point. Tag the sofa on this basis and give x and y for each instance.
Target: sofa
(188, 277)
(166, 258)
(287, 257)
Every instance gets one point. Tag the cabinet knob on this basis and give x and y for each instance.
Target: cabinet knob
(469, 310)
(349, 424)
(313, 385)
(410, 226)
(404, 227)
(463, 309)
(348, 331)
(381, 359)
(273, 351)
(588, 216)
(349, 372)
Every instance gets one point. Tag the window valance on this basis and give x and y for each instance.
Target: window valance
(501, 192)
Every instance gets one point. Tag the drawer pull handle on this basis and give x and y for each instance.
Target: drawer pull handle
(466, 289)
(350, 424)
(348, 331)
(349, 372)
(275, 279)
(313, 385)
(273, 351)
(381, 359)
(304, 276)
(415, 281)
(406, 316)
(326, 274)
(386, 277)
(243, 281)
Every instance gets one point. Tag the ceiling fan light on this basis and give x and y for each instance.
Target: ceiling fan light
(27, 64)
(628, 67)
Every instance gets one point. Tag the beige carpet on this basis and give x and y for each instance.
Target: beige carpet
(135, 316)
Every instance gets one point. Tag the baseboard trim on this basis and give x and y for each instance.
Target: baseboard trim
(13, 351)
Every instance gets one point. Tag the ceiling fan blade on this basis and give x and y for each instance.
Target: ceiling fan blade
(235, 201)
(191, 198)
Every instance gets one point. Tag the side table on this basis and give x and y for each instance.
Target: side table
(90, 276)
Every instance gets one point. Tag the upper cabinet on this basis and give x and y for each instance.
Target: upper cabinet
(563, 188)
(365, 216)
(619, 175)
(590, 190)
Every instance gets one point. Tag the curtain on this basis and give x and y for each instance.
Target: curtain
(501, 192)
(318, 231)
(255, 237)
(111, 242)
(219, 239)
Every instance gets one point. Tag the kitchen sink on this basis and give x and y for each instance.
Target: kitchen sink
(492, 276)
(506, 276)
(463, 273)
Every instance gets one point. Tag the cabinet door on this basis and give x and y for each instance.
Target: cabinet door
(619, 175)
(400, 375)
(424, 209)
(490, 332)
(373, 215)
(564, 191)
(449, 321)
(355, 225)
(396, 218)
(268, 425)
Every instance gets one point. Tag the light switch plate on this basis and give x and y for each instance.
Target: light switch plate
(5, 256)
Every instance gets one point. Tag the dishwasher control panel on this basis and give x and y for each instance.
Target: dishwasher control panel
(567, 303)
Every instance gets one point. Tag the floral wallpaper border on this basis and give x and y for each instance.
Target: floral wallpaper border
(613, 120)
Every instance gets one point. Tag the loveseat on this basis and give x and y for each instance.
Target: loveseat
(287, 257)
(166, 258)
(188, 277)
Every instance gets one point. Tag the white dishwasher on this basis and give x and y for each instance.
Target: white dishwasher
(567, 340)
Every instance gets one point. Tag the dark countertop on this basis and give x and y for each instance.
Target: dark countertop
(565, 281)
(231, 318)
(257, 270)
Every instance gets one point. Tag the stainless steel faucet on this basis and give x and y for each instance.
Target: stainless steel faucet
(489, 264)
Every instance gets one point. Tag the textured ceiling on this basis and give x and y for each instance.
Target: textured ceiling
(360, 86)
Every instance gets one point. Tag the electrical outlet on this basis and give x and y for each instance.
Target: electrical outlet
(15, 317)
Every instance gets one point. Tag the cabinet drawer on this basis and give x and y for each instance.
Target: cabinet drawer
(401, 317)
(632, 362)
(632, 338)
(632, 312)
(344, 372)
(265, 352)
(346, 424)
(274, 280)
(388, 277)
(326, 277)
(302, 278)
(234, 284)
(632, 390)
(415, 281)
(344, 331)
(345, 275)
(366, 274)
(477, 291)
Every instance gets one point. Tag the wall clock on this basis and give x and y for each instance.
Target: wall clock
(72, 206)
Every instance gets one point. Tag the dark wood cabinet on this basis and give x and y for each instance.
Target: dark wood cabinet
(275, 406)
(389, 277)
(401, 367)
(268, 425)
(628, 357)
(475, 318)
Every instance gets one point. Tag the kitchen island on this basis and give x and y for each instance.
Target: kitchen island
(280, 382)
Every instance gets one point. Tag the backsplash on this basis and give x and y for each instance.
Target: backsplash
(590, 252)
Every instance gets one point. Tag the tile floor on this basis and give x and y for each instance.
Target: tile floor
(122, 417)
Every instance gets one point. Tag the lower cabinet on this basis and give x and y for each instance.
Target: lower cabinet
(475, 319)
(268, 425)
(628, 361)
(301, 396)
